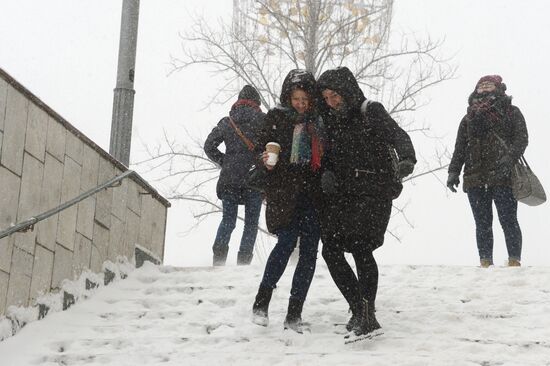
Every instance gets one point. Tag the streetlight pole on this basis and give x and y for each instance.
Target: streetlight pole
(123, 101)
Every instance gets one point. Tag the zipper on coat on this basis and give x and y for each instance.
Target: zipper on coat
(357, 171)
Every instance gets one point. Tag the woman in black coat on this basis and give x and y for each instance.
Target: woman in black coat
(235, 163)
(491, 137)
(293, 194)
(367, 155)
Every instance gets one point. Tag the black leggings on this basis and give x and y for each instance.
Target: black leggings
(356, 227)
(353, 288)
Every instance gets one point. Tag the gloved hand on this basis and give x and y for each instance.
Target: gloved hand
(404, 168)
(453, 181)
(329, 182)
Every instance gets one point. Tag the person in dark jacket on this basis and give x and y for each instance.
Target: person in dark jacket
(491, 138)
(246, 116)
(367, 156)
(293, 194)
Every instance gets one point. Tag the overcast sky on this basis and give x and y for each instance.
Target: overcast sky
(65, 52)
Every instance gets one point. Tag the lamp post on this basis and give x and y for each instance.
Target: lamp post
(123, 101)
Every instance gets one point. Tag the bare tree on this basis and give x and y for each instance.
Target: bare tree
(269, 37)
(266, 38)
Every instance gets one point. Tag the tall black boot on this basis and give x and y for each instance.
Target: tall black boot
(293, 318)
(244, 258)
(353, 322)
(220, 256)
(356, 316)
(261, 306)
(367, 320)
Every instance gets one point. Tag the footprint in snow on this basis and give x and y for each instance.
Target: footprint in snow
(223, 303)
(212, 327)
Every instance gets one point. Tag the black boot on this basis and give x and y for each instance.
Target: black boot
(220, 256)
(261, 306)
(367, 320)
(244, 259)
(353, 322)
(293, 318)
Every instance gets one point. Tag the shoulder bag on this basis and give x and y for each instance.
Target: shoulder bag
(525, 184)
(526, 187)
(257, 175)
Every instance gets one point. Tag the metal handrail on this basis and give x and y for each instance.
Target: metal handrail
(29, 223)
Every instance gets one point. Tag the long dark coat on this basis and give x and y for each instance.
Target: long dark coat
(479, 147)
(364, 148)
(286, 182)
(237, 159)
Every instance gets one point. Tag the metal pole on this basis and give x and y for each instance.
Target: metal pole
(123, 101)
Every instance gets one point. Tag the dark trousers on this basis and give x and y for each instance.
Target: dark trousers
(304, 225)
(252, 207)
(360, 243)
(481, 200)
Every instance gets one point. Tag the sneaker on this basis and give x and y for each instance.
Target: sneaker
(486, 263)
(513, 263)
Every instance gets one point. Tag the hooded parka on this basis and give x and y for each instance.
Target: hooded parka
(364, 146)
(286, 182)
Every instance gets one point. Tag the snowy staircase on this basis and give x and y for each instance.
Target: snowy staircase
(201, 316)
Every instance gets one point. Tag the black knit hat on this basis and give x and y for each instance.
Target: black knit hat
(250, 93)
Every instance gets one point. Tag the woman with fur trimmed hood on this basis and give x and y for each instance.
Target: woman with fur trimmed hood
(292, 194)
(491, 138)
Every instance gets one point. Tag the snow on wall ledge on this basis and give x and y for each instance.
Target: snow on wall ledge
(71, 292)
(45, 161)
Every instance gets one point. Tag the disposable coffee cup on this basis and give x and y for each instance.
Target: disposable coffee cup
(273, 150)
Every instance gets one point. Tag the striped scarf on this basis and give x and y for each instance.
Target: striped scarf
(307, 143)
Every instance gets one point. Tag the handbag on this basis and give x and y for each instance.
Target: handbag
(526, 187)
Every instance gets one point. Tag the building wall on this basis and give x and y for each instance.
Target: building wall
(45, 161)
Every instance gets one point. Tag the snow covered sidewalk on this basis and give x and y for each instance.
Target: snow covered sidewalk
(201, 316)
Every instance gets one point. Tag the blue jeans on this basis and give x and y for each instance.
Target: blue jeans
(481, 200)
(305, 225)
(252, 208)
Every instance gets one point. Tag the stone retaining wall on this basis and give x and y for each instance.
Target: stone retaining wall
(45, 161)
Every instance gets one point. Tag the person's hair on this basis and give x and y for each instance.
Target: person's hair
(298, 87)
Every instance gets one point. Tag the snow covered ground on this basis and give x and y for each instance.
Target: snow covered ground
(431, 315)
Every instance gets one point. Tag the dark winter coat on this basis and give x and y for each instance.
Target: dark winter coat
(479, 147)
(362, 146)
(363, 150)
(237, 159)
(286, 182)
